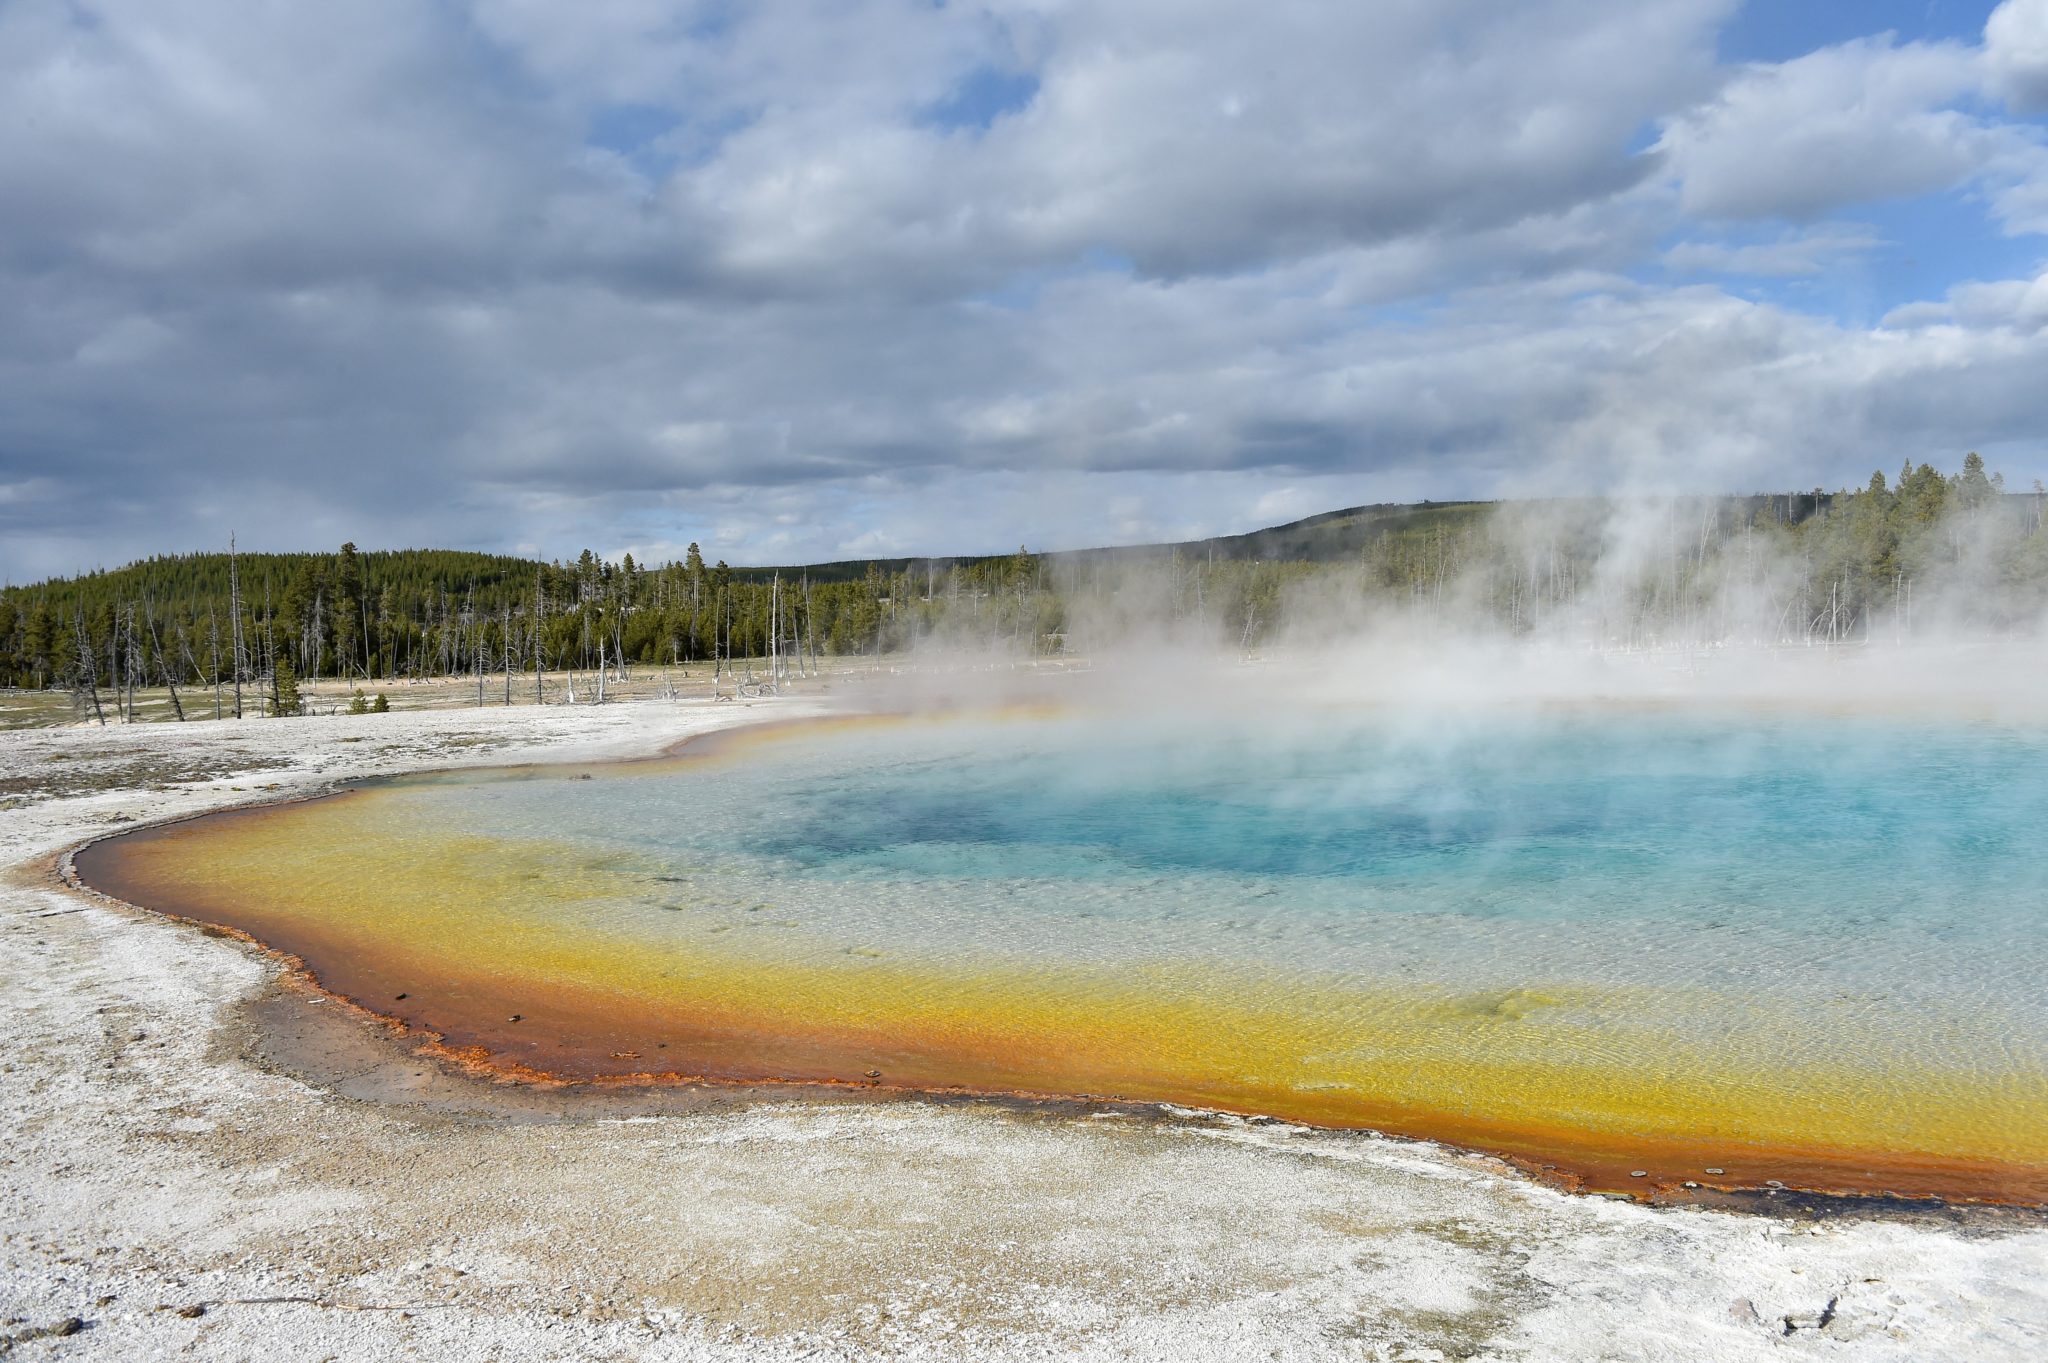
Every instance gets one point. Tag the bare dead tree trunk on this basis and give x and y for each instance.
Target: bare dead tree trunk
(89, 671)
(163, 661)
(131, 665)
(213, 634)
(192, 663)
(270, 645)
(810, 631)
(310, 666)
(128, 679)
(235, 622)
(114, 659)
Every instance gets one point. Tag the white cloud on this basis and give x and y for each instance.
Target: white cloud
(2022, 204)
(2016, 53)
(2011, 305)
(636, 272)
(1808, 252)
(1184, 135)
(1859, 122)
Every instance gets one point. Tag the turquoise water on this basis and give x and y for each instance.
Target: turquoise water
(1637, 846)
(1851, 825)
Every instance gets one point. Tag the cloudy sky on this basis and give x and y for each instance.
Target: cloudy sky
(807, 279)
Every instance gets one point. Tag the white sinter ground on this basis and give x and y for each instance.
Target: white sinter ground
(150, 1166)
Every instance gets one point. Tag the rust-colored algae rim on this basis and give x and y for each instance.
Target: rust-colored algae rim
(1558, 1169)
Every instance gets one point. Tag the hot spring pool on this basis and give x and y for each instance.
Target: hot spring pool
(1797, 947)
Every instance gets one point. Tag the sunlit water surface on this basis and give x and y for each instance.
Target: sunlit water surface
(1807, 941)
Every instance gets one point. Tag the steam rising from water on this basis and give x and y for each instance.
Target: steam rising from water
(1932, 594)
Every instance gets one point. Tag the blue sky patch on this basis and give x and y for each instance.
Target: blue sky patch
(986, 94)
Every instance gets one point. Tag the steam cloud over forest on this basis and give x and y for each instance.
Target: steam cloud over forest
(1926, 556)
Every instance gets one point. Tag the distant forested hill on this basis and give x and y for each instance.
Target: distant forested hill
(1321, 538)
(1785, 567)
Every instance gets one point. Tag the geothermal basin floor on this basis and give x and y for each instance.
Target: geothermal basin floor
(173, 1182)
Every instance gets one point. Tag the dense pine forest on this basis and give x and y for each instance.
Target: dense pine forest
(1923, 552)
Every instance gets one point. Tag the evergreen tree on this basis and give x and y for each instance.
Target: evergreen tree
(348, 609)
(1875, 530)
(39, 644)
(284, 688)
(1973, 488)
